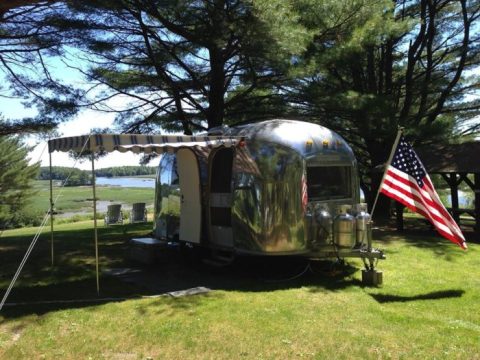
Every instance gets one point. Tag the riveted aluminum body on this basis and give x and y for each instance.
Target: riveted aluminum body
(266, 208)
(312, 227)
(344, 228)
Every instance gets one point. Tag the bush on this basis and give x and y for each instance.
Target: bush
(25, 217)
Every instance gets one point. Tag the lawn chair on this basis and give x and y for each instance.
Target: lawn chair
(114, 215)
(138, 214)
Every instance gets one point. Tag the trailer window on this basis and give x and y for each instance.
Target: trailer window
(168, 170)
(329, 182)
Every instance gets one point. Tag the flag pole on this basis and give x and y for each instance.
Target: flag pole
(397, 139)
(95, 220)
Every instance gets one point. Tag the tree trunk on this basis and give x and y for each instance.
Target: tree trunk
(382, 209)
(379, 155)
(217, 89)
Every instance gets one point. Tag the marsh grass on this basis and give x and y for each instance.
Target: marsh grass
(427, 307)
(78, 198)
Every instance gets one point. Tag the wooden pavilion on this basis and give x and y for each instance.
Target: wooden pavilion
(454, 162)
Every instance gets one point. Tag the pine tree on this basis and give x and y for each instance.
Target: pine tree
(27, 41)
(15, 179)
(183, 65)
(390, 64)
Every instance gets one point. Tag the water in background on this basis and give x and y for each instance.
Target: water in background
(126, 182)
(464, 200)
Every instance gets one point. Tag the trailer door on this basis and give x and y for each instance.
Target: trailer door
(190, 206)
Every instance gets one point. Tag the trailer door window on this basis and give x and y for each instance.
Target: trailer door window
(329, 182)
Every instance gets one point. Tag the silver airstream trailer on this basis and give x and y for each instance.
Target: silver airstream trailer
(277, 192)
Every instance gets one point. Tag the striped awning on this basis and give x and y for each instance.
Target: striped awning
(137, 143)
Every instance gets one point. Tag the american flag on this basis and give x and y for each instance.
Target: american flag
(407, 181)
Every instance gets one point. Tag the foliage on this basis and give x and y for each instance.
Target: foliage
(183, 65)
(26, 43)
(26, 217)
(390, 64)
(15, 180)
(126, 171)
(76, 177)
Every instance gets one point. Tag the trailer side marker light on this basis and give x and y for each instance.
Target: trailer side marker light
(325, 144)
(309, 145)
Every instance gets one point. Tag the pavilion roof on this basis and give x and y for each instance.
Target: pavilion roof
(448, 158)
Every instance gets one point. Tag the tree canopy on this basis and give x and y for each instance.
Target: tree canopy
(184, 65)
(27, 43)
(360, 67)
(410, 65)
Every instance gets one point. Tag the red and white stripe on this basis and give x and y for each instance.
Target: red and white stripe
(423, 200)
(304, 194)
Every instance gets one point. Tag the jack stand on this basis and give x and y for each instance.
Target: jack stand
(372, 277)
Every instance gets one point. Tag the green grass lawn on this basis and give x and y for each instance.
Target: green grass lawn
(73, 199)
(427, 308)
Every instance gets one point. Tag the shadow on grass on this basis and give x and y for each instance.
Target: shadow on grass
(173, 273)
(42, 299)
(73, 277)
(419, 233)
(423, 238)
(435, 295)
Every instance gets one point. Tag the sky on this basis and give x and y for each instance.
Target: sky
(80, 125)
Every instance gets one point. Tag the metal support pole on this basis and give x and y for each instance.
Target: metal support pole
(95, 222)
(394, 147)
(51, 210)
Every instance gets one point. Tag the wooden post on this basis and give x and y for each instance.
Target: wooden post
(399, 215)
(454, 194)
(51, 209)
(95, 222)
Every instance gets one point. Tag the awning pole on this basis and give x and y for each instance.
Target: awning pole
(95, 221)
(51, 209)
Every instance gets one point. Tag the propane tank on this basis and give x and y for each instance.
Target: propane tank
(324, 224)
(363, 225)
(344, 227)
